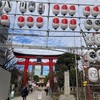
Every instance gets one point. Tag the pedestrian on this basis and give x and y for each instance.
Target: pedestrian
(24, 93)
(46, 90)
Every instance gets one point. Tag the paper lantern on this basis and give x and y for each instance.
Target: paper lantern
(72, 24)
(99, 74)
(97, 39)
(93, 74)
(88, 24)
(91, 55)
(89, 39)
(7, 6)
(96, 24)
(31, 6)
(64, 23)
(86, 11)
(1, 6)
(95, 11)
(56, 9)
(41, 8)
(98, 55)
(39, 22)
(30, 21)
(64, 9)
(55, 22)
(72, 10)
(21, 21)
(5, 20)
(23, 7)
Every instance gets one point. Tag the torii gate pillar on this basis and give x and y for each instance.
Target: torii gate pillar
(26, 71)
(51, 71)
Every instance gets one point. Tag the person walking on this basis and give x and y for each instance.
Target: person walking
(46, 90)
(24, 93)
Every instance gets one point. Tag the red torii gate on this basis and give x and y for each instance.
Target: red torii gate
(26, 63)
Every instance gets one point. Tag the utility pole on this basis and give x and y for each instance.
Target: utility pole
(76, 78)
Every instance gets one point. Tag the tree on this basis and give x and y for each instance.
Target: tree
(46, 80)
(36, 78)
(66, 62)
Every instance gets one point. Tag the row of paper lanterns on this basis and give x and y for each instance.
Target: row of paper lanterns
(87, 10)
(92, 39)
(41, 7)
(93, 74)
(89, 24)
(22, 7)
(56, 8)
(93, 55)
(55, 22)
(5, 20)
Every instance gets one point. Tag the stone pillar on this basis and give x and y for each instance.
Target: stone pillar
(66, 83)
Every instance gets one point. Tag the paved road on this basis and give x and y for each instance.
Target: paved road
(34, 96)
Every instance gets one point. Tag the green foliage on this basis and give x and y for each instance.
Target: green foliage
(36, 78)
(46, 80)
(66, 62)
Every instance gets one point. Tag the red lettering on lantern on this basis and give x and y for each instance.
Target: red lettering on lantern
(56, 20)
(87, 8)
(72, 7)
(56, 6)
(30, 19)
(21, 19)
(39, 19)
(73, 21)
(64, 21)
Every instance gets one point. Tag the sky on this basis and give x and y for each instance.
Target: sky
(65, 41)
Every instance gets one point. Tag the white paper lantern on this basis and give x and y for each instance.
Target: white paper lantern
(7, 6)
(64, 9)
(98, 55)
(89, 39)
(21, 21)
(96, 24)
(93, 74)
(39, 21)
(30, 21)
(55, 22)
(95, 11)
(72, 10)
(41, 8)
(88, 24)
(86, 11)
(64, 23)
(23, 7)
(56, 9)
(1, 6)
(99, 74)
(31, 6)
(91, 55)
(72, 24)
(5, 20)
(97, 39)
